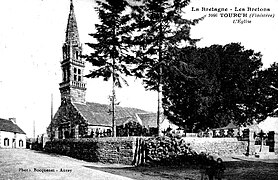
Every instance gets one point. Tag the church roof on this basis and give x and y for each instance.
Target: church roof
(100, 114)
(72, 35)
(9, 126)
(148, 119)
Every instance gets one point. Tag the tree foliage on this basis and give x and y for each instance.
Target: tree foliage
(202, 87)
(160, 30)
(228, 85)
(110, 53)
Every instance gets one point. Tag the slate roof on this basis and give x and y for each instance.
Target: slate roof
(99, 114)
(229, 126)
(148, 119)
(9, 126)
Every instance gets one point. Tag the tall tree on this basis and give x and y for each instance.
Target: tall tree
(223, 90)
(265, 100)
(161, 29)
(110, 53)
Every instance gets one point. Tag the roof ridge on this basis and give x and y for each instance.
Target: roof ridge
(147, 112)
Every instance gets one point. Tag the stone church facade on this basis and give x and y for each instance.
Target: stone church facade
(77, 118)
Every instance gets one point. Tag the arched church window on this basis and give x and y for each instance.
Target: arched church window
(64, 75)
(66, 134)
(65, 52)
(6, 142)
(68, 74)
(76, 55)
(60, 133)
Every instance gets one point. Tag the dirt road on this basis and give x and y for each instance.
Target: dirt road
(32, 165)
(26, 164)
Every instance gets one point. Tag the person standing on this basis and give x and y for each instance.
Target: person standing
(219, 168)
(210, 170)
(203, 161)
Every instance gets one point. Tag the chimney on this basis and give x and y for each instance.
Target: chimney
(13, 120)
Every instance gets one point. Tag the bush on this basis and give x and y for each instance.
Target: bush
(170, 151)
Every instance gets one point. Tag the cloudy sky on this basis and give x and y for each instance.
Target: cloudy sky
(32, 33)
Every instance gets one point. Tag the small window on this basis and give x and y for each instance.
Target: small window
(74, 70)
(6, 142)
(75, 78)
(79, 71)
(79, 78)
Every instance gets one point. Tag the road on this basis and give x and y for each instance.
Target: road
(19, 164)
(27, 164)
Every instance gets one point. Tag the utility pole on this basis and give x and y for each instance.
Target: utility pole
(34, 129)
(51, 118)
(159, 89)
(113, 102)
(113, 89)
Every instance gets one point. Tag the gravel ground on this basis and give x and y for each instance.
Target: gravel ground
(27, 164)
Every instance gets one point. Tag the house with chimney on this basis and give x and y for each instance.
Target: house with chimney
(11, 135)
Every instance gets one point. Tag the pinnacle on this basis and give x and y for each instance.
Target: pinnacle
(72, 35)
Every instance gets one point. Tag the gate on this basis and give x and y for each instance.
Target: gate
(270, 141)
(140, 152)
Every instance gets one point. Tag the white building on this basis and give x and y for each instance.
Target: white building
(11, 136)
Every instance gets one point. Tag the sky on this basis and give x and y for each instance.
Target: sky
(32, 33)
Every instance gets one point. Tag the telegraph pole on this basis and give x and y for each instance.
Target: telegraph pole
(34, 129)
(51, 118)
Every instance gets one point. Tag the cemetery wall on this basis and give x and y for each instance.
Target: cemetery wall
(218, 146)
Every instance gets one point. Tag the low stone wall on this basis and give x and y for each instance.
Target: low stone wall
(122, 149)
(217, 146)
(116, 150)
(112, 150)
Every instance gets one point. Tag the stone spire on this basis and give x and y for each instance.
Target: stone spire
(72, 87)
(72, 35)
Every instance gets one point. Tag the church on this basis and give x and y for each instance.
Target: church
(76, 118)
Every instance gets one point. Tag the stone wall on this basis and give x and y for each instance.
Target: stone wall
(122, 149)
(116, 150)
(218, 146)
(111, 150)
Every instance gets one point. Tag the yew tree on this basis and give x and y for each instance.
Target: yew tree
(225, 88)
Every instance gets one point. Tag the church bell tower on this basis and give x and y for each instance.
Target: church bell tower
(72, 87)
